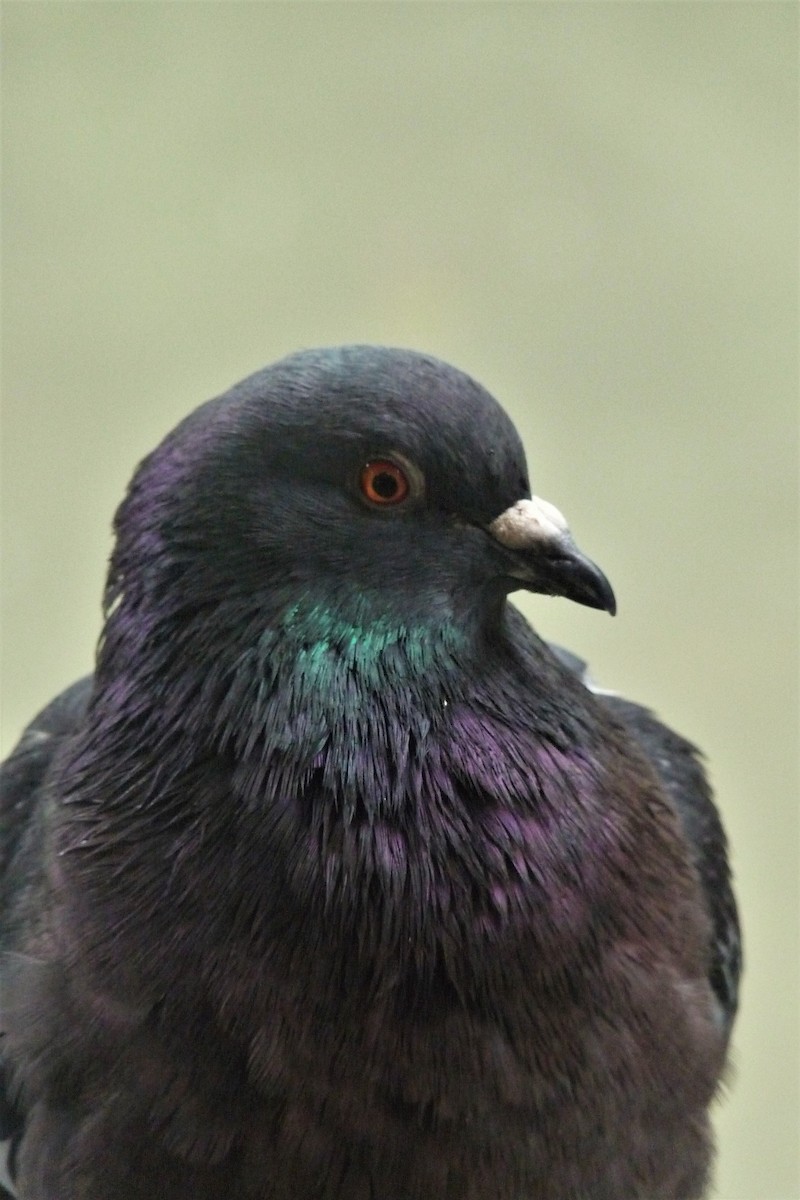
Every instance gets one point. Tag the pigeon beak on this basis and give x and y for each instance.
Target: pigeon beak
(544, 558)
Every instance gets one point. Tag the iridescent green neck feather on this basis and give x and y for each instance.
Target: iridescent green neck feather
(321, 644)
(350, 699)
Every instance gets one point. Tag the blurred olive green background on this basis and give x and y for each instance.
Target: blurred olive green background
(590, 207)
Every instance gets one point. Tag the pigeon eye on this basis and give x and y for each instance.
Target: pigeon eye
(384, 483)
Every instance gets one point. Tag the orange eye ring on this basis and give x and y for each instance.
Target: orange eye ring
(383, 483)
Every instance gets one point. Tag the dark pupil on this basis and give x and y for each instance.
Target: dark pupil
(385, 485)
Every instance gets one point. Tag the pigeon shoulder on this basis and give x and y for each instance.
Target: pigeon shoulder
(678, 765)
(22, 779)
(23, 773)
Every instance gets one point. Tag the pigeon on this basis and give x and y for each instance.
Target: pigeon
(335, 881)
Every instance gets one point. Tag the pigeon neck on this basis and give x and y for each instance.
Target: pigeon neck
(348, 698)
(322, 641)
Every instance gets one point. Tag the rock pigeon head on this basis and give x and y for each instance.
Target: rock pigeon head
(358, 478)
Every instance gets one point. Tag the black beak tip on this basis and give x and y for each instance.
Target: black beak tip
(604, 595)
(585, 583)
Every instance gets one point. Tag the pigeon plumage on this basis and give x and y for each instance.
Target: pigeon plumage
(335, 882)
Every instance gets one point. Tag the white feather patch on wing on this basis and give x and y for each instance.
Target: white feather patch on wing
(592, 686)
(5, 1181)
